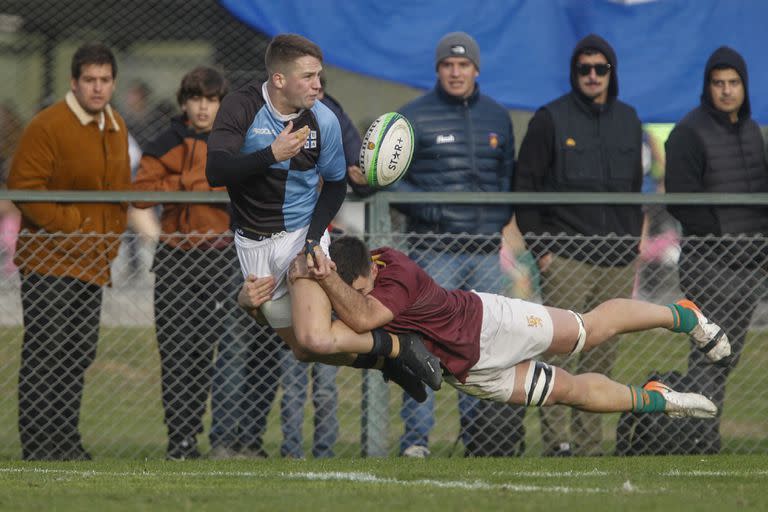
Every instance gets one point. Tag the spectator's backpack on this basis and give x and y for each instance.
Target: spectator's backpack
(658, 434)
(496, 430)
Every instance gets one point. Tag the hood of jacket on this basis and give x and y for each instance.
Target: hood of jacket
(725, 57)
(595, 42)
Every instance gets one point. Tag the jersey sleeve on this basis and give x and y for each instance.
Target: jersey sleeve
(396, 286)
(231, 124)
(332, 164)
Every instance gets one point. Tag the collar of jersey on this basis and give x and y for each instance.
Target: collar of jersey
(273, 110)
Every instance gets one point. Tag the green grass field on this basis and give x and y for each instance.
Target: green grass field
(122, 413)
(676, 484)
(122, 426)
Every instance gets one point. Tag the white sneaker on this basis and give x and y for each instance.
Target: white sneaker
(222, 452)
(708, 336)
(683, 405)
(416, 451)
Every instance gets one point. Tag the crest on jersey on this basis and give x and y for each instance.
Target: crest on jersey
(311, 140)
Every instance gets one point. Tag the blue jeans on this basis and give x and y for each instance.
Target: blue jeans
(245, 379)
(451, 271)
(294, 381)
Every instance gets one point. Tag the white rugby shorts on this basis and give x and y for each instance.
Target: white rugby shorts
(272, 257)
(513, 331)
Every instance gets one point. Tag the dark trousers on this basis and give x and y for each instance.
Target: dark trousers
(245, 378)
(61, 332)
(191, 305)
(728, 295)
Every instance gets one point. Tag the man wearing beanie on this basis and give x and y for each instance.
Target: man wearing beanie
(718, 147)
(464, 143)
(585, 141)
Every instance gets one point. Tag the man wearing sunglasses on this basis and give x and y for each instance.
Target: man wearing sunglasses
(718, 147)
(585, 141)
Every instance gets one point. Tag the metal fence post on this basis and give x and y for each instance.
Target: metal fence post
(374, 434)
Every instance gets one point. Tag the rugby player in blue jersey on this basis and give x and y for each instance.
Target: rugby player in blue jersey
(279, 152)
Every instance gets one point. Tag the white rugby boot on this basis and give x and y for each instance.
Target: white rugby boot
(708, 336)
(683, 405)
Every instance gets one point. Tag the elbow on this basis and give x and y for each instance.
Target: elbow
(212, 178)
(363, 325)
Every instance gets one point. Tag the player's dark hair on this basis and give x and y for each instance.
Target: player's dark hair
(202, 81)
(352, 258)
(92, 53)
(286, 48)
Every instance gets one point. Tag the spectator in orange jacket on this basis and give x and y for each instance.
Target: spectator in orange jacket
(79, 143)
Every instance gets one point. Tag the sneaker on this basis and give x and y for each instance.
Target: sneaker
(683, 405)
(561, 450)
(708, 336)
(254, 452)
(416, 451)
(184, 448)
(222, 452)
(419, 361)
(77, 452)
(395, 371)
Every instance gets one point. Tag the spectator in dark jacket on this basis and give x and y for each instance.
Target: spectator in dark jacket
(464, 143)
(585, 141)
(718, 147)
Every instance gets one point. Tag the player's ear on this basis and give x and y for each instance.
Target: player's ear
(374, 269)
(278, 79)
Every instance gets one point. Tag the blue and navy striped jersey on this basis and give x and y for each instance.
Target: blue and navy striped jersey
(283, 198)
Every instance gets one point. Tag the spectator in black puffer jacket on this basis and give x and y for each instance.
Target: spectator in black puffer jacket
(718, 148)
(464, 143)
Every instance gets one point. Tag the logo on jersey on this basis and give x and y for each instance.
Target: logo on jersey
(311, 140)
(534, 321)
(445, 139)
(263, 131)
(493, 140)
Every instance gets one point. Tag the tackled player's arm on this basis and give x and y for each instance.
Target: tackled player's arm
(360, 312)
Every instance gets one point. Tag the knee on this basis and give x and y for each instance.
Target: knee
(312, 345)
(539, 386)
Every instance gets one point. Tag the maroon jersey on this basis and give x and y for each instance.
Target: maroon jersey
(449, 321)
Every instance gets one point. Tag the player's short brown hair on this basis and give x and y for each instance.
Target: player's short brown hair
(352, 258)
(284, 49)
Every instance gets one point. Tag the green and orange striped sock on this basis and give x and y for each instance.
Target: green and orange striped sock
(644, 400)
(684, 319)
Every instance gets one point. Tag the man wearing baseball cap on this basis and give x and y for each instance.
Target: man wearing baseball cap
(464, 143)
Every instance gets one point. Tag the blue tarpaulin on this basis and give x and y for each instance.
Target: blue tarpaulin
(662, 45)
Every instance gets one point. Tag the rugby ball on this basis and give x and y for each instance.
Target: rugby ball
(387, 150)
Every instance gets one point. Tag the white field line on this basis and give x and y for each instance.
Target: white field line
(354, 477)
(753, 472)
(369, 478)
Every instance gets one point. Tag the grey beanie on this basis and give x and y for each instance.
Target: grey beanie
(458, 44)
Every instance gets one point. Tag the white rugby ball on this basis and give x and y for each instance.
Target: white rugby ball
(387, 150)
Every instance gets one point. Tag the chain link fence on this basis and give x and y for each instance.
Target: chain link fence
(175, 352)
(155, 44)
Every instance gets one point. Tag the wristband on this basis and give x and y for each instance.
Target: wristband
(309, 249)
